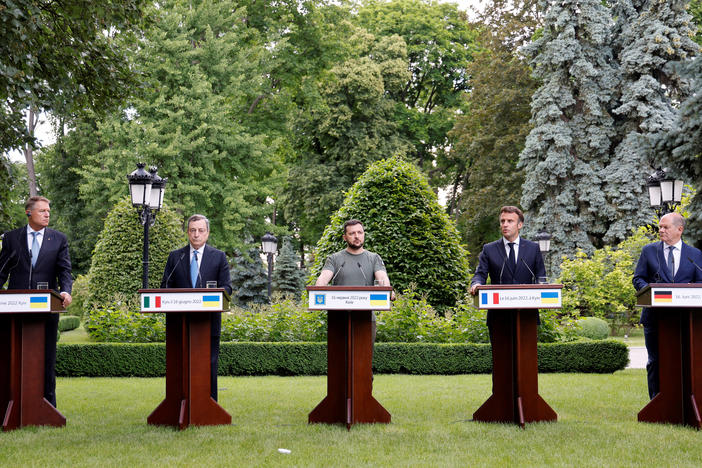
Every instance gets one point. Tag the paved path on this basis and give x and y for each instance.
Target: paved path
(637, 357)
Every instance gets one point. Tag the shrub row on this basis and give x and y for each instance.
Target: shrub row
(68, 322)
(149, 359)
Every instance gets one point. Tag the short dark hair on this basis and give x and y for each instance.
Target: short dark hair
(31, 201)
(197, 217)
(513, 209)
(351, 222)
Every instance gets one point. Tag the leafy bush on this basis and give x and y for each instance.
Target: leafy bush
(68, 322)
(121, 321)
(601, 285)
(149, 360)
(593, 328)
(79, 294)
(286, 320)
(117, 258)
(405, 224)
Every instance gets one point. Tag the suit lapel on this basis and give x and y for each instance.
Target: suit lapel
(185, 267)
(48, 238)
(665, 273)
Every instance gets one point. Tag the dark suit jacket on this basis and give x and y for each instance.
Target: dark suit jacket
(652, 268)
(493, 263)
(213, 267)
(53, 263)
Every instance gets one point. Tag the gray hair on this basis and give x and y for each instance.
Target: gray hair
(676, 218)
(197, 217)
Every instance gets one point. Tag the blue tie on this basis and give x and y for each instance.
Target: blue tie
(193, 269)
(671, 261)
(512, 258)
(35, 248)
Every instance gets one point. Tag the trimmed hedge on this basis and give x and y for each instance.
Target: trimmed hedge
(149, 359)
(68, 322)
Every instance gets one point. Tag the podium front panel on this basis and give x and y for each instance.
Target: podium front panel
(173, 300)
(670, 295)
(349, 297)
(531, 296)
(29, 301)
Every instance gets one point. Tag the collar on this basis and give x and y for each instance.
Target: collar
(677, 245)
(41, 231)
(505, 242)
(200, 251)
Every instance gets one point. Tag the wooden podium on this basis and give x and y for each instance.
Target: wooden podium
(678, 309)
(23, 315)
(188, 401)
(349, 397)
(515, 372)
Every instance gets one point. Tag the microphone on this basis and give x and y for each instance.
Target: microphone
(337, 272)
(533, 276)
(503, 268)
(31, 270)
(362, 272)
(689, 258)
(164, 284)
(9, 257)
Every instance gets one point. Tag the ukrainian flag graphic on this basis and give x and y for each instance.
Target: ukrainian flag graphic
(379, 299)
(549, 297)
(210, 301)
(39, 302)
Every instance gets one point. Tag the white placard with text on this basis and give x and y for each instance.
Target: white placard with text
(536, 298)
(25, 302)
(182, 301)
(349, 300)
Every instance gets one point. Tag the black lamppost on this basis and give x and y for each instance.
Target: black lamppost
(664, 193)
(269, 246)
(146, 190)
(544, 240)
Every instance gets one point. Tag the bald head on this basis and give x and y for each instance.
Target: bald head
(670, 228)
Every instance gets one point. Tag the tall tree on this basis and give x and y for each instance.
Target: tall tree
(440, 44)
(481, 168)
(650, 35)
(288, 277)
(200, 64)
(348, 125)
(568, 148)
(61, 55)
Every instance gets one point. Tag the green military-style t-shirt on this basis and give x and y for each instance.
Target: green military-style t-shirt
(354, 270)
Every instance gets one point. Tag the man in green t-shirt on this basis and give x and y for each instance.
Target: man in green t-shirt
(355, 266)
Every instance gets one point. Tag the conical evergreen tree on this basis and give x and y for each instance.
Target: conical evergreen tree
(650, 35)
(288, 277)
(568, 148)
(249, 279)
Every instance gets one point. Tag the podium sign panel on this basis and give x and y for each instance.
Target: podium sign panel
(349, 397)
(678, 311)
(350, 299)
(514, 312)
(23, 315)
(13, 302)
(545, 297)
(188, 324)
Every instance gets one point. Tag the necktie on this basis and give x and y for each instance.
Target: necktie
(511, 257)
(35, 248)
(671, 261)
(193, 269)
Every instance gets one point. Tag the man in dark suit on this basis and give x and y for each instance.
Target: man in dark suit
(33, 254)
(509, 260)
(192, 267)
(668, 261)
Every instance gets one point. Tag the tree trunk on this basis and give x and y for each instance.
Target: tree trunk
(32, 119)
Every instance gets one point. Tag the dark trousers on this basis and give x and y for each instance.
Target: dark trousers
(50, 335)
(651, 339)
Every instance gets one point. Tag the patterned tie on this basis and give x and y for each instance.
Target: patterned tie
(511, 257)
(671, 261)
(35, 248)
(193, 269)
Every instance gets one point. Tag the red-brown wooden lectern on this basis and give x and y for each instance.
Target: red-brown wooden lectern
(188, 401)
(678, 308)
(23, 315)
(515, 371)
(349, 397)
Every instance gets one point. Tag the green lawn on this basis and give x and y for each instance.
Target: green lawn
(430, 427)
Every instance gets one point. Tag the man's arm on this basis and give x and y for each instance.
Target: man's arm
(5, 259)
(224, 277)
(167, 271)
(324, 277)
(481, 273)
(63, 271)
(641, 273)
